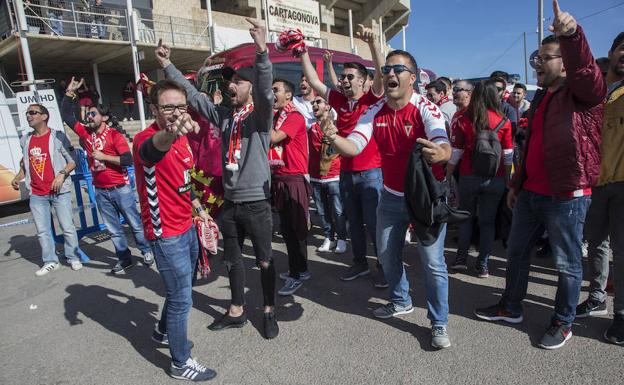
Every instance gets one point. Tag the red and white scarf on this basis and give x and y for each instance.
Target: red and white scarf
(442, 100)
(234, 146)
(276, 152)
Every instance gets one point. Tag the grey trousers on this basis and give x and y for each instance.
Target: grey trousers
(604, 227)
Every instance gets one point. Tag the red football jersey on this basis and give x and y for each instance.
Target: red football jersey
(295, 147)
(40, 163)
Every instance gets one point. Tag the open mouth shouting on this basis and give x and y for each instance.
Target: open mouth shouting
(392, 84)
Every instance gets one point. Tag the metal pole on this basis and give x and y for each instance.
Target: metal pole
(266, 18)
(351, 31)
(96, 77)
(133, 31)
(23, 28)
(526, 68)
(540, 22)
(74, 18)
(382, 44)
(404, 42)
(210, 27)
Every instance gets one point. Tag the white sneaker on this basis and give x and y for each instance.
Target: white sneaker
(48, 267)
(131, 119)
(408, 237)
(76, 265)
(327, 245)
(125, 120)
(341, 246)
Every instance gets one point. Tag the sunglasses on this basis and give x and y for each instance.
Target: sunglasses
(500, 89)
(459, 89)
(170, 108)
(397, 68)
(350, 77)
(539, 60)
(319, 102)
(33, 113)
(91, 114)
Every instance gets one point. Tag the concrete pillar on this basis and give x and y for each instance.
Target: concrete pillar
(96, 78)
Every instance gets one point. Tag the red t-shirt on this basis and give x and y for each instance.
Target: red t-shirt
(396, 132)
(349, 113)
(537, 180)
(463, 136)
(164, 188)
(315, 137)
(294, 147)
(110, 142)
(40, 163)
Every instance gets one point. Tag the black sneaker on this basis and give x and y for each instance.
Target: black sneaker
(192, 371)
(271, 330)
(120, 267)
(556, 336)
(162, 338)
(355, 271)
(615, 333)
(379, 280)
(459, 264)
(498, 313)
(591, 308)
(227, 322)
(482, 271)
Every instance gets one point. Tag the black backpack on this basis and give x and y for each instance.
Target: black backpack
(486, 154)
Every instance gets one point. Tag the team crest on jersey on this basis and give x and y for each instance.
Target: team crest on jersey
(187, 182)
(408, 128)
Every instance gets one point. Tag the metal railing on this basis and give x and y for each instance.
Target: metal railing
(108, 23)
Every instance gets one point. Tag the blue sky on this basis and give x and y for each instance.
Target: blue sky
(474, 33)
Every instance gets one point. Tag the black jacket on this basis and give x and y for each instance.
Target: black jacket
(425, 198)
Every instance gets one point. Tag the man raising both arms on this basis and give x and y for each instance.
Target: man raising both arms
(397, 123)
(360, 177)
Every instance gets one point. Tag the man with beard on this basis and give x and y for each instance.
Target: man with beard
(436, 93)
(246, 176)
(303, 102)
(108, 156)
(400, 121)
(552, 188)
(290, 190)
(606, 213)
(360, 177)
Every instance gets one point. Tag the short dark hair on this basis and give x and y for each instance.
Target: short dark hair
(162, 86)
(502, 75)
(520, 85)
(101, 109)
(617, 41)
(370, 75)
(550, 39)
(438, 85)
(361, 70)
(288, 86)
(498, 79)
(42, 109)
(446, 81)
(407, 55)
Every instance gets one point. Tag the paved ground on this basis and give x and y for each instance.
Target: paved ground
(88, 327)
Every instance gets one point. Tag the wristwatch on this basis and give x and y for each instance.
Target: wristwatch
(64, 173)
(199, 209)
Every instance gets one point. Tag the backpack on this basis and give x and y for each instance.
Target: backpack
(486, 154)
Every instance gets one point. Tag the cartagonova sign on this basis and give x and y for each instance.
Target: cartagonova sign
(302, 14)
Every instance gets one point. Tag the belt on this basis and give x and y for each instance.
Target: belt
(112, 188)
(576, 193)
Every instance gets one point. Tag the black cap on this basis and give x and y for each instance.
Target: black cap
(243, 73)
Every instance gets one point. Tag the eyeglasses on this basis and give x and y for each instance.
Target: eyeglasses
(350, 77)
(33, 113)
(500, 89)
(170, 108)
(398, 68)
(91, 114)
(539, 60)
(319, 102)
(459, 89)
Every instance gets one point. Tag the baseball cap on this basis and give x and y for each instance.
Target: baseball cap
(243, 72)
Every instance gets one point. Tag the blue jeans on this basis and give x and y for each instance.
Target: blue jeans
(175, 259)
(361, 191)
(329, 204)
(481, 196)
(113, 203)
(392, 222)
(564, 220)
(40, 207)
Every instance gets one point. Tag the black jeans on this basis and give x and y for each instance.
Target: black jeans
(251, 219)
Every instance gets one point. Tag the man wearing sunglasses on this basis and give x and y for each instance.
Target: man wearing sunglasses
(398, 123)
(47, 160)
(360, 177)
(500, 81)
(552, 188)
(108, 156)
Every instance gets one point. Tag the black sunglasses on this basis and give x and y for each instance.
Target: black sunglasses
(348, 76)
(33, 113)
(397, 68)
(500, 89)
(459, 89)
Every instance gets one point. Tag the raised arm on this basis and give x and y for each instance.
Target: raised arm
(310, 73)
(200, 102)
(68, 104)
(368, 36)
(327, 58)
(262, 90)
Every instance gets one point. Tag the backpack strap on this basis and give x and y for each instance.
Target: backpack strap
(501, 124)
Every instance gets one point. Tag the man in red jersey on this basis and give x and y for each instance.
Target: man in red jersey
(360, 177)
(552, 188)
(163, 163)
(108, 155)
(397, 123)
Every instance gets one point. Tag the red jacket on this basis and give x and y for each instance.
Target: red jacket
(572, 122)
